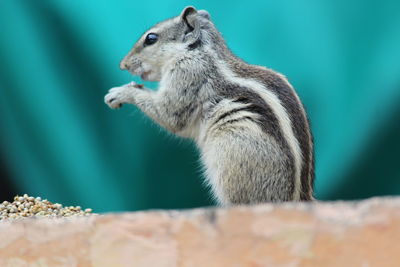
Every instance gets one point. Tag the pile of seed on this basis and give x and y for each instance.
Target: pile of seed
(27, 206)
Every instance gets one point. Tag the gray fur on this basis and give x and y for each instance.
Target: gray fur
(208, 94)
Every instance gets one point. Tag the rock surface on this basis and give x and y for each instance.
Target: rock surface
(365, 233)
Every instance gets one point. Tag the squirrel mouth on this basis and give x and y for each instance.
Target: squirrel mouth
(145, 75)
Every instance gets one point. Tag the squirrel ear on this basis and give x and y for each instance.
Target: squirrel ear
(189, 17)
(187, 11)
(204, 14)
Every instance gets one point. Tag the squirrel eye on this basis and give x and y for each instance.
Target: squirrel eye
(151, 38)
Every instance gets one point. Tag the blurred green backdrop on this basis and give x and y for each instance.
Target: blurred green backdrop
(60, 141)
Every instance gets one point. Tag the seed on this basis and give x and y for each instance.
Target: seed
(26, 206)
(13, 210)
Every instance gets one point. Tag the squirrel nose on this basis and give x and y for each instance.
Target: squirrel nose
(123, 65)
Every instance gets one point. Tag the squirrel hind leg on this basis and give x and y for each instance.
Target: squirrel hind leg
(245, 167)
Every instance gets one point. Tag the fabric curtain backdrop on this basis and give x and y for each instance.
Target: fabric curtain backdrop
(60, 141)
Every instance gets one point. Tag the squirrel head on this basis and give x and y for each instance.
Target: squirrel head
(165, 43)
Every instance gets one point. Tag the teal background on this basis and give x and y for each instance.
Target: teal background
(58, 140)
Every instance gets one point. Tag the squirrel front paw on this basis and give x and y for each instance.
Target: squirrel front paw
(120, 95)
(117, 96)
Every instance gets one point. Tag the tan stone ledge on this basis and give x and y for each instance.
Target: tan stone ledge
(365, 233)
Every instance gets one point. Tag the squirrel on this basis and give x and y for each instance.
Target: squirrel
(247, 121)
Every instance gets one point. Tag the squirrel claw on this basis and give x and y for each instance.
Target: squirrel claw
(135, 85)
